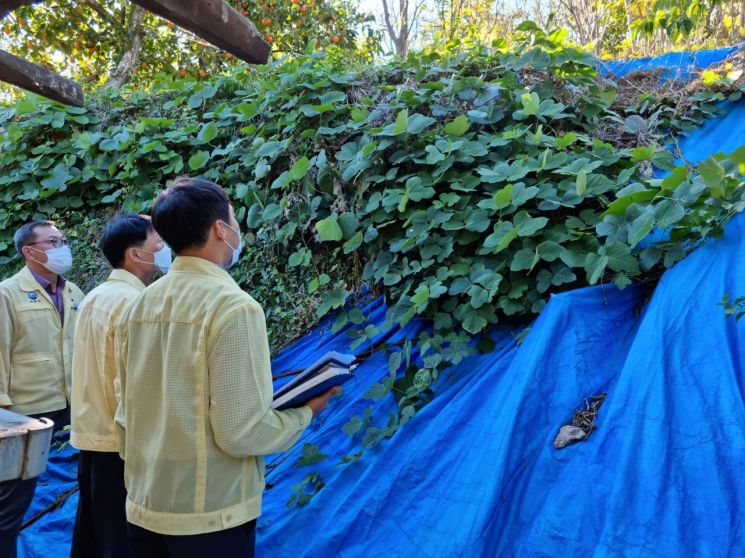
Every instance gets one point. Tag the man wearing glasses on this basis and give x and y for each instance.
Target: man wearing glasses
(37, 319)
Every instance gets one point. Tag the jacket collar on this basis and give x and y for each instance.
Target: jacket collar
(200, 266)
(27, 282)
(126, 277)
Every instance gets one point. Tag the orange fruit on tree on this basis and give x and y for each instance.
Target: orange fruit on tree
(336, 39)
(202, 74)
(303, 9)
(296, 2)
(182, 73)
(170, 25)
(266, 22)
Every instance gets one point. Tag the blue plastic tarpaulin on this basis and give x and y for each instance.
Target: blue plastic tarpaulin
(474, 473)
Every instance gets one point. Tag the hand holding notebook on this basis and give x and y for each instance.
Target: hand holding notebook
(331, 370)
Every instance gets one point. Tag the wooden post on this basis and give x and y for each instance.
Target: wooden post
(217, 23)
(38, 79)
(7, 6)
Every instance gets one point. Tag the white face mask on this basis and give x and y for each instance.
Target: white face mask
(236, 251)
(59, 260)
(162, 259)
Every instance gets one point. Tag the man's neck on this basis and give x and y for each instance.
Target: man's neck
(45, 273)
(211, 255)
(144, 275)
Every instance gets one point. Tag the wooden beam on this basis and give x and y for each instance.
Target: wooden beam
(216, 23)
(7, 6)
(38, 79)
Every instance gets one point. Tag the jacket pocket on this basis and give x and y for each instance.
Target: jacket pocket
(32, 379)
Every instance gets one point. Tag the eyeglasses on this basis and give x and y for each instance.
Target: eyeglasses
(54, 242)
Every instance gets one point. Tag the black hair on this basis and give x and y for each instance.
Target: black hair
(183, 213)
(27, 233)
(121, 233)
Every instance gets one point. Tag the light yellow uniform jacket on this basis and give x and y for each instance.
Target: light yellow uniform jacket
(35, 348)
(93, 363)
(196, 391)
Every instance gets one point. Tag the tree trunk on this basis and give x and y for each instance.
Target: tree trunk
(128, 62)
(400, 40)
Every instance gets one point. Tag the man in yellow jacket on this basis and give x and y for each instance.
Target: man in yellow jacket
(136, 252)
(38, 309)
(196, 390)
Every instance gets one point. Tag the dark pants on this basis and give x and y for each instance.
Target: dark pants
(238, 542)
(101, 522)
(16, 495)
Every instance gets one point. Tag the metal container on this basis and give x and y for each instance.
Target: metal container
(24, 445)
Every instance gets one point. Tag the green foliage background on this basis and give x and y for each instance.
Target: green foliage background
(466, 188)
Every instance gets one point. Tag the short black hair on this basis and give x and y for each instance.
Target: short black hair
(122, 232)
(27, 233)
(185, 211)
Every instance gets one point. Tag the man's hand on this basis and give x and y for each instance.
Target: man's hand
(318, 404)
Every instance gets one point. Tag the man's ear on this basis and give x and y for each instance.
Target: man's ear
(131, 253)
(219, 231)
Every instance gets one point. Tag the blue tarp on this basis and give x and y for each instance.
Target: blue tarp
(674, 65)
(475, 474)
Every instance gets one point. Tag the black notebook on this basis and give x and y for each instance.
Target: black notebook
(332, 369)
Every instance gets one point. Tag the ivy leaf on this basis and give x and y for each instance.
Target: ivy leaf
(402, 120)
(58, 179)
(566, 140)
(207, 133)
(310, 454)
(641, 227)
(458, 126)
(581, 183)
(527, 225)
(503, 197)
(378, 391)
(663, 160)
(531, 103)
(474, 323)
(353, 243)
(525, 258)
(620, 258)
(353, 426)
(642, 153)
(636, 124)
(595, 266)
(198, 160)
(300, 258)
(329, 229)
(668, 212)
(713, 174)
(299, 168)
(271, 212)
(418, 122)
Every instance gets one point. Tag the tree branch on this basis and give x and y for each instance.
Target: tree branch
(129, 59)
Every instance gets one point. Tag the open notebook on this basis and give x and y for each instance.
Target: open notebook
(332, 369)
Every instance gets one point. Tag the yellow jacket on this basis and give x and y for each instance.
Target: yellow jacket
(35, 348)
(196, 391)
(93, 399)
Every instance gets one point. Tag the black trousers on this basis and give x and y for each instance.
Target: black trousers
(16, 495)
(101, 522)
(237, 542)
